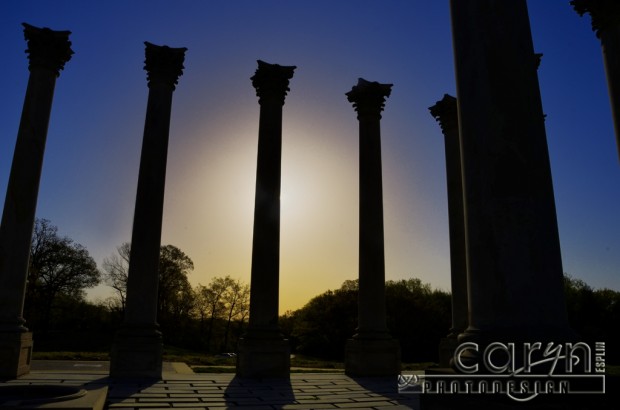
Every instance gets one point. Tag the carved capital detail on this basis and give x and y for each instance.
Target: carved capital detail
(163, 64)
(446, 114)
(604, 13)
(47, 48)
(271, 81)
(368, 97)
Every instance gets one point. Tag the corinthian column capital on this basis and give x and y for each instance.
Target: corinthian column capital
(368, 97)
(604, 13)
(47, 48)
(163, 64)
(445, 113)
(271, 81)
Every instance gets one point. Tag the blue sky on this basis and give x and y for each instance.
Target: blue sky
(91, 162)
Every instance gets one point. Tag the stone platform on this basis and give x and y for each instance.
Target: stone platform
(180, 388)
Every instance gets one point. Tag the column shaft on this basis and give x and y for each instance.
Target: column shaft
(445, 112)
(372, 315)
(371, 351)
(265, 275)
(605, 16)
(263, 351)
(610, 42)
(137, 349)
(143, 279)
(48, 52)
(515, 272)
(22, 192)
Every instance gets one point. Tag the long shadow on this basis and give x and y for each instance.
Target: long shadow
(254, 393)
(388, 387)
(128, 389)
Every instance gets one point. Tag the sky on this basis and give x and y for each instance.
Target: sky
(90, 171)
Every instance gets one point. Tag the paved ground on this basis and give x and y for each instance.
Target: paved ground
(182, 389)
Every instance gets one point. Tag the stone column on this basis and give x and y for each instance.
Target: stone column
(263, 351)
(137, 349)
(514, 266)
(605, 16)
(445, 112)
(371, 351)
(48, 51)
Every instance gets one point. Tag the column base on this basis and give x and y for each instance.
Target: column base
(372, 357)
(260, 358)
(15, 354)
(137, 353)
(447, 346)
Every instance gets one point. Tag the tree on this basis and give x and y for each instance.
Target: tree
(58, 267)
(322, 327)
(175, 298)
(219, 304)
(416, 315)
(211, 304)
(115, 268)
(237, 303)
(175, 295)
(592, 313)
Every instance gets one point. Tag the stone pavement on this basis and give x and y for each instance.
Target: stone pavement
(182, 389)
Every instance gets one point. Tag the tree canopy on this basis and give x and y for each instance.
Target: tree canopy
(58, 268)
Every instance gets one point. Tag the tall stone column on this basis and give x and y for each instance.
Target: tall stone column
(137, 349)
(445, 112)
(371, 351)
(514, 266)
(606, 24)
(48, 51)
(263, 351)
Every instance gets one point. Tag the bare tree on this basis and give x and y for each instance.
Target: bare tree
(115, 268)
(58, 267)
(236, 300)
(175, 296)
(211, 304)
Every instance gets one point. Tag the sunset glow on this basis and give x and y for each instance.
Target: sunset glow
(90, 172)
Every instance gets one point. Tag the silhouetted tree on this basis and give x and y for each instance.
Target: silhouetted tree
(594, 314)
(237, 304)
(322, 327)
(115, 268)
(58, 268)
(175, 295)
(417, 315)
(219, 305)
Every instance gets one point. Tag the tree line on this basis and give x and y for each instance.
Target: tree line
(212, 317)
(208, 317)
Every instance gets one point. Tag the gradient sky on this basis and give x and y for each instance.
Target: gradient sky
(90, 172)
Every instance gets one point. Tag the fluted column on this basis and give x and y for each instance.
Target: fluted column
(48, 51)
(137, 350)
(263, 351)
(514, 266)
(445, 112)
(372, 351)
(605, 16)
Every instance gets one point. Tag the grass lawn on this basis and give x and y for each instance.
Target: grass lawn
(209, 363)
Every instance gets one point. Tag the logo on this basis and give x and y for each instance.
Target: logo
(522, 372)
